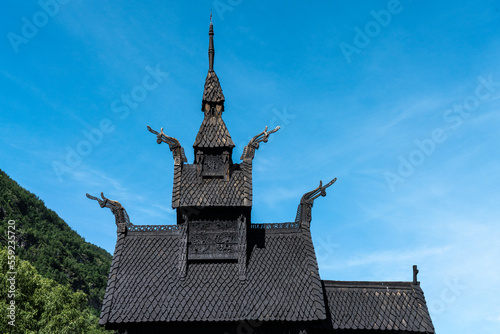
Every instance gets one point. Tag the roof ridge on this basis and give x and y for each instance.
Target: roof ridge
(369, 284)
(312, 262)
(112, 278)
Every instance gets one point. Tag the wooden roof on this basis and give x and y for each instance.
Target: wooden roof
(191, 191)
(212, 91)
(213, 133)
(378, 306)
(145, 285)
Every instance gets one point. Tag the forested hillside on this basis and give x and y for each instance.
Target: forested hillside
(50, 245)
(41, 305)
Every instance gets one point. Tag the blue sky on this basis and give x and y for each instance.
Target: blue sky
(399, 100)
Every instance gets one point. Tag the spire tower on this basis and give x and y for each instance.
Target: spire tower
(213, 146)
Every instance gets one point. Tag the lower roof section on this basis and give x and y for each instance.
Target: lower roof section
(282, 280)
(372, 307)
(282, 292)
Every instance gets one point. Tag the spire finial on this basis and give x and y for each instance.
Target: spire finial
(210, 16)
(211, 50)
(415, 273)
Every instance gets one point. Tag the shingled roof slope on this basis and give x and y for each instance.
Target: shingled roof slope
(377, 306)
(282, 280)
(213, 133)
(212, 91)
(190, 191)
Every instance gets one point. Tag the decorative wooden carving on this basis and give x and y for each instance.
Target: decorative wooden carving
(173, 144)
(121, 217)
(306, 203)
(152, 228)
(276, 226)
(212, 240)
(253, 144)
(213, 165)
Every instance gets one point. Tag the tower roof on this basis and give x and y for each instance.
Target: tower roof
(213, 132)
(212, 91)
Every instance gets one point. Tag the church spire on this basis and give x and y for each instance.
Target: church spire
(212, 93)
(213, 142)
(211, 50)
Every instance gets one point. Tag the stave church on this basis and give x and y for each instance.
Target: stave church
(216, 271)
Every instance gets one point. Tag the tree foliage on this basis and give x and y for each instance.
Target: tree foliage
(41, 304)
(56, 251)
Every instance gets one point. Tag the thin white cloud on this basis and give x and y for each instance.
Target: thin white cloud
(93, 178)
(386, 257)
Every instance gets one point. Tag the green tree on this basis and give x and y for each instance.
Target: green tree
(50, 245)
(41, 304)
